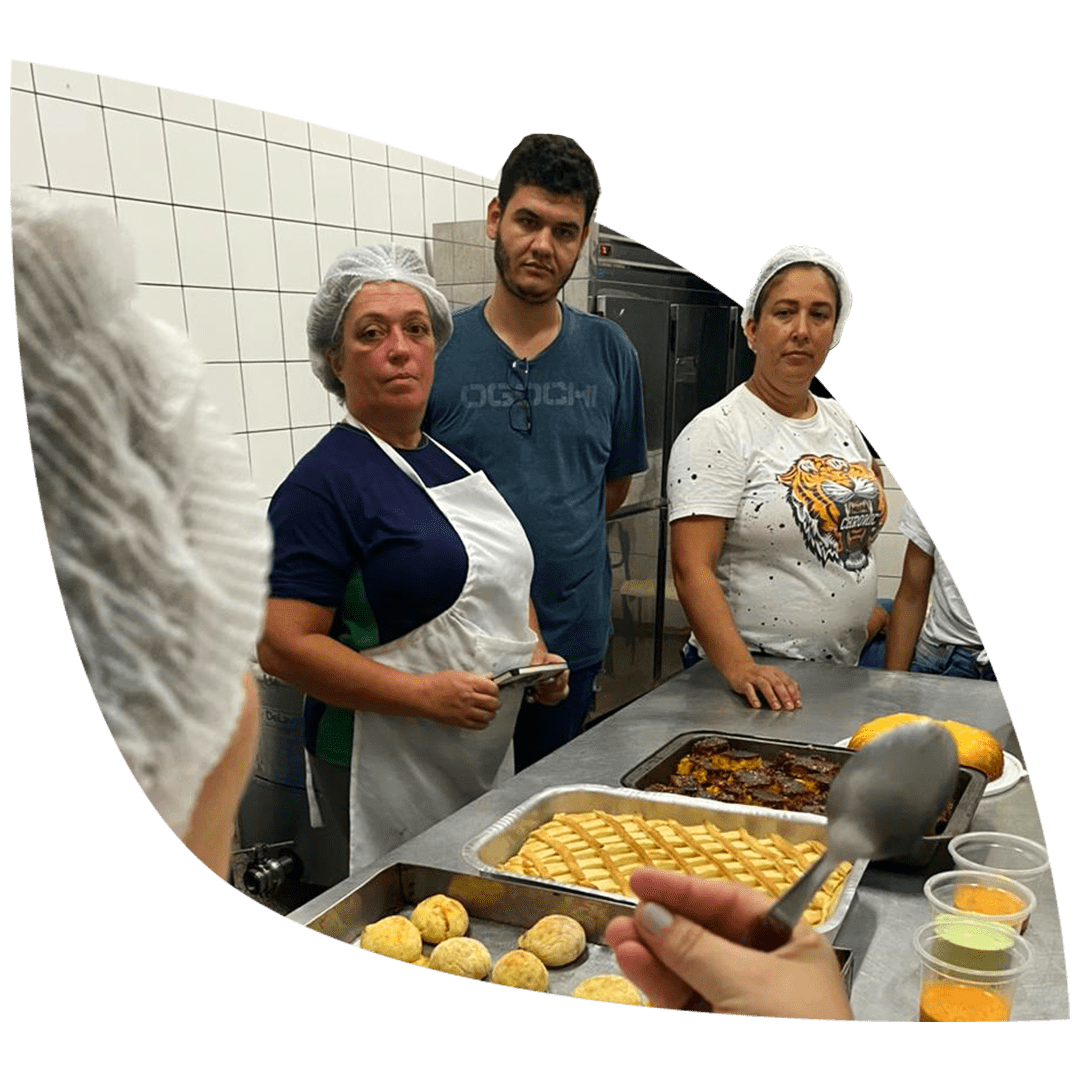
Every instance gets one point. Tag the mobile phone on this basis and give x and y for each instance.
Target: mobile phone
(527, 676)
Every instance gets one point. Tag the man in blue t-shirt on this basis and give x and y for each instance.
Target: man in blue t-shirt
(548, 400)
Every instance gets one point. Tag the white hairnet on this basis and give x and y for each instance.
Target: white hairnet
(797, 253)
(160, 545)
(349, 273)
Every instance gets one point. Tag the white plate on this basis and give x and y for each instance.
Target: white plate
(1011, 774)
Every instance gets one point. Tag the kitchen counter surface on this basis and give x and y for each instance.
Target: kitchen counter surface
(889, 903)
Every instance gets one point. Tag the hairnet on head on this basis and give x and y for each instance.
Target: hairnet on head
(350, 272)
(798, 253)
(158, 538)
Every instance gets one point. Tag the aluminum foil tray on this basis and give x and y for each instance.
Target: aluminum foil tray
(496, 844)
(658, 767)
(499, 912)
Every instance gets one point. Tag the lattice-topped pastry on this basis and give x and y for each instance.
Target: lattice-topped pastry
(601, 850)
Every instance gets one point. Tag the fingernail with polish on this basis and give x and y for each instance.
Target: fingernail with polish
(656, 918)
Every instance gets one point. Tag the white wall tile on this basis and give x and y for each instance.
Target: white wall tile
(245, 174)
(364, 237)
(438, 202)
(76, 85)
(889, 554)
(132, 96)
(102, 203)
(307, 396)
(371, 196)
(204, 248)
(27, 158)
(239, 119)
(22, 76)
(226, 391)
(271, 460)
(403, 159)
(406, 203)
(469, 202)
(164, 302)
(240, 441)
(211, 321)
(332, 242)
(153, 232)
(431, 167)
(303, 439)
(258, 321)
(290, 183)
(333, 190)
(327, 141)
(188, 108)
(367, 150)
(297, 256)
(194, 165)
(251, 247)
(284, 129)
(294, 313)
(137, 153)
(468, 177)
(266, 400)
(75, 152)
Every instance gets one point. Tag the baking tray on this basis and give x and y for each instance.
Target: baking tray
(499, 912)
(658, 767)
(500, 841)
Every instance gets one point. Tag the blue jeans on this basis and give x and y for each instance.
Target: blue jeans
(956, 660)
(542, 729)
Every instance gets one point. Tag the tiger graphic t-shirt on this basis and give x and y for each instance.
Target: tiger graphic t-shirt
(803, 508)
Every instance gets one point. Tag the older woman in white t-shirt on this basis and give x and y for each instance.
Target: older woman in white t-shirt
(775, 498)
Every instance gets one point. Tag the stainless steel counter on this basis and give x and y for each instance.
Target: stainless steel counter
(888, 905)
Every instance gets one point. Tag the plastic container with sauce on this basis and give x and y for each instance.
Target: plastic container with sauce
(959, 894)
(970, 968)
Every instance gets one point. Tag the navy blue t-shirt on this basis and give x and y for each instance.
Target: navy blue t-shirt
(354, 533)
(588, 427)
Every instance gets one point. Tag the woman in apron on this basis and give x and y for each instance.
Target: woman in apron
(401, 577)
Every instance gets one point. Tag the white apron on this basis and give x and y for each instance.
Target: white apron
(407, 773)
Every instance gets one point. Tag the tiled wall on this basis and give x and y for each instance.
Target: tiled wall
(235, 212)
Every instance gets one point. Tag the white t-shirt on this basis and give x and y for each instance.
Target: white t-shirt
(947, 621)
(803, 507)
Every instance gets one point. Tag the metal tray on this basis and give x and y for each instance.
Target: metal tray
(499, 912)
(491, 848)
(658, 767)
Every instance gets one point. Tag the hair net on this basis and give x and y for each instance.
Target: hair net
(349, 273)
(797, 253)
(158, 538)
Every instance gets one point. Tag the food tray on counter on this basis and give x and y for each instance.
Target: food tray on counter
(502, 840)
(658, 767)
(499, 912)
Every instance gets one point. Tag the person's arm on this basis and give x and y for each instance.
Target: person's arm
(615, 492)
(681, 948)
(550, 691)
(296, 647)
(909, 608)
(696, 544)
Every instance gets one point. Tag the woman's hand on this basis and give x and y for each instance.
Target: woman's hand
(557, 688)
(680, 949)
(459, 699)
(763, 684)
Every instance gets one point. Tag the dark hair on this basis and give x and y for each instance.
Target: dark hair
(555, 163)
(768, 286)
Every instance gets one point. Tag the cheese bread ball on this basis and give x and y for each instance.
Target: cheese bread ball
(609, 988)
(440, 917)
(975, 748)
(422, 961)
(461, 956)
(556, 939)
(393, 936)
(522, 969)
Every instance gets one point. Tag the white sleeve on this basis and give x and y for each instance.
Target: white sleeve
(707, 471)
(913, 529)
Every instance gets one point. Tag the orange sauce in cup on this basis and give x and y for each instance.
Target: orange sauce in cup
(951, 1002)
(986, 900)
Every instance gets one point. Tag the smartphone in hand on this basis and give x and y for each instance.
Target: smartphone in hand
(527, 676)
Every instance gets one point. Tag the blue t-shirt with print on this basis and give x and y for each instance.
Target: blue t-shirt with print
(588, 427)
(353, 532)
